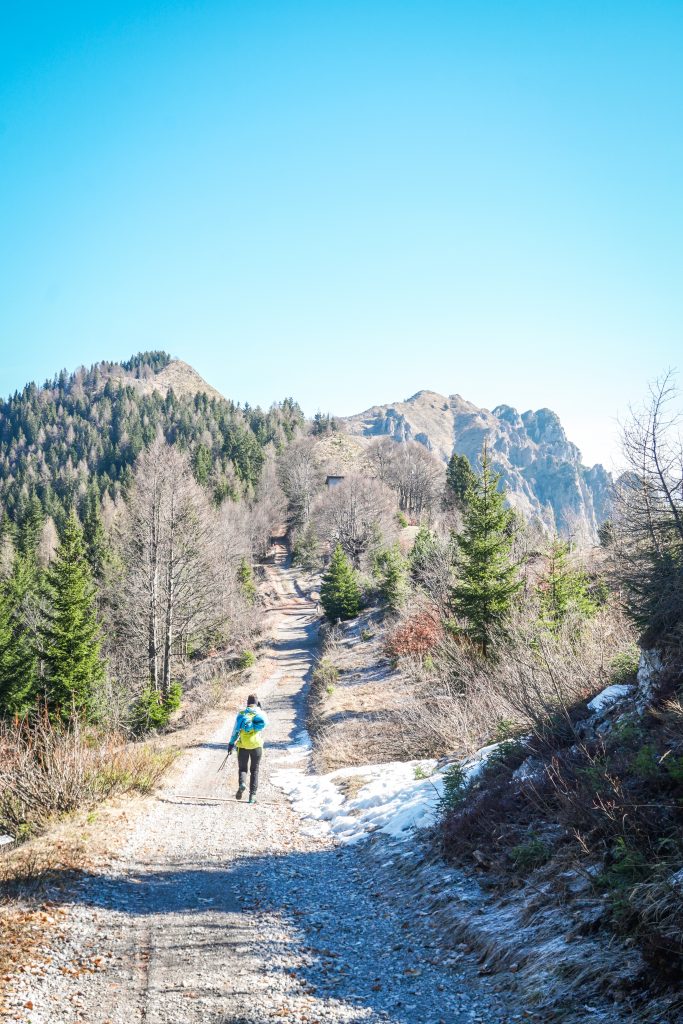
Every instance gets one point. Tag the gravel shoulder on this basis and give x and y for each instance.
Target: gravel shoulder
(216, 911)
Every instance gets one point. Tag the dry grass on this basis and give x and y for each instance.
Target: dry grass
(47, 771)
(51, 781)
(356, 701)
(351, 786)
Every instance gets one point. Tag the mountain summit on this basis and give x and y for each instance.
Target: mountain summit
(541, 468)
(177, 376)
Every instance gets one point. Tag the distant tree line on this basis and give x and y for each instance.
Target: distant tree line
(83, 432)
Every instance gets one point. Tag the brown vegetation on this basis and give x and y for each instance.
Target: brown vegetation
(47, 771)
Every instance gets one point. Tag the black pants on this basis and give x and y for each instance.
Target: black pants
(243, 759)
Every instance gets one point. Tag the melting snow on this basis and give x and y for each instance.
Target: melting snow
(301, 748)
(352, 803)
(608, 697)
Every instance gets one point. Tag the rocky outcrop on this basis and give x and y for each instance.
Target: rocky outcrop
(541, 468)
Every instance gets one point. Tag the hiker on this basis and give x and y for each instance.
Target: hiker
(247, 736)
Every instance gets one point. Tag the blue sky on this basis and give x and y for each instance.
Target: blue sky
(347, 202)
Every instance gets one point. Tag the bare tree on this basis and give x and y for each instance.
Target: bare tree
(412, 472)
(170, 583)
(48, 542)
(648, 515)
(300, 478)
(356, 513)
(380, 457)
(268, 511)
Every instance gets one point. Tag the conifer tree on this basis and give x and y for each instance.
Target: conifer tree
(460, 478)
(487, 577)
(202, 464)
(73, 663)
(422, 549)
(31, 526)
(563, 588)
(391, 570)
(18, 656)
(339, 591)
(97, 548)
(245, 575)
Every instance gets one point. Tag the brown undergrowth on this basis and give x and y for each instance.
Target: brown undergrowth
(588, 811)
(62, 792)
(573, 830)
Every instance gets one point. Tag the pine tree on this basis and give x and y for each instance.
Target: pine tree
(31, 526)
(202, 464)
(339, 591)
(563, 588)
(391, 570)
(245, 575)
(97, 548)
(422, 550)
(18, 655)
(74, 665)
(460, 479)
(487, 581)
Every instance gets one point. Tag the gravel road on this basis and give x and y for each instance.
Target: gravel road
(217, 911)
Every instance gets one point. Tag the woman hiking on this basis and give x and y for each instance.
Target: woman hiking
(247, 736)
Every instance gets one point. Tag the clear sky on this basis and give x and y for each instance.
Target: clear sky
(348, 201)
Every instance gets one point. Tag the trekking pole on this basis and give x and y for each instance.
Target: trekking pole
(224, 762)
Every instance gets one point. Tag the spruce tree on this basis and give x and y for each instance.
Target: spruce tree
(487, 577)
(73, 663)
(202, 464)
(339, 591)
(391, 571)
(97, 548)
(18, 655)
(563, 588)
(245, 575)
(422, 550)
(460, 479)
(31, 525)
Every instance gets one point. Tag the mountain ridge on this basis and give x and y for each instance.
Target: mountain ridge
(541, 468)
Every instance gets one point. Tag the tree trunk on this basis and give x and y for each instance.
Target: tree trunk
(153, 622)
(170, 598)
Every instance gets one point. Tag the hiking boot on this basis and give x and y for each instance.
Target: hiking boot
(252, 799)
(240, 792)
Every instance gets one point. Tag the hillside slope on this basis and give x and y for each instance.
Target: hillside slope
(177, 376)
(85, 430)
(541, 468)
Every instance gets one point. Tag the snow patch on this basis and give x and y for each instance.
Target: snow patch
(6, 839)
(301, 748)
(393, 799)
(608, 697)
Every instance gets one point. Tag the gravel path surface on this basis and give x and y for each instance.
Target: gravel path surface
(217, 911)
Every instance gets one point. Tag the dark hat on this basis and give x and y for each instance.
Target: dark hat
(252, 699)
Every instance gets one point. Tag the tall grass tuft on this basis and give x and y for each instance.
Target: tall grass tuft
(47, 770)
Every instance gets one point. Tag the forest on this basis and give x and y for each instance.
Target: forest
(130, 523)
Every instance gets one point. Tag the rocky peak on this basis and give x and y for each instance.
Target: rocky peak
(542, 470)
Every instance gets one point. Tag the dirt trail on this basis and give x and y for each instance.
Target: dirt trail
(217, 911)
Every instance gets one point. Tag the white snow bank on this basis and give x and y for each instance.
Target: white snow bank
(392, 798)
(608, 697)
(5, 839)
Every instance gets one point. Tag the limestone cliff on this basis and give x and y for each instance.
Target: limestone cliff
(541, 468)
